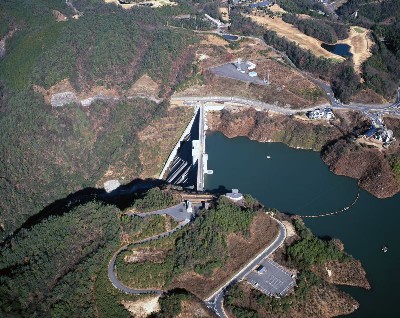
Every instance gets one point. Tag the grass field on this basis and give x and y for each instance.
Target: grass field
(293, 34)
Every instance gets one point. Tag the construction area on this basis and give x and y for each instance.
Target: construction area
(288, 87)
(240, 70)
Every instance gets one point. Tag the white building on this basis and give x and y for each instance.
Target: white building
(235, 195)
(318, 113)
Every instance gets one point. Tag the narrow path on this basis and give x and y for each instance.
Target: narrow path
(112, 276)
(178, 212)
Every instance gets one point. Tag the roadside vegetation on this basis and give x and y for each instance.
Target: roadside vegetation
(153, 199)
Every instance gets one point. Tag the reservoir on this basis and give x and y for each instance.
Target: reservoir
(297, 181)
(230, 37)
(338, 49)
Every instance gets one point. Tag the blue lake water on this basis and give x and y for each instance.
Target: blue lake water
(230, 37)
(297, 181)
(338, 49)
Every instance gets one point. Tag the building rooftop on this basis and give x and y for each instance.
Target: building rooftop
(235, 195)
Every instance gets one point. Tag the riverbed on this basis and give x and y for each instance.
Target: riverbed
(297, 181)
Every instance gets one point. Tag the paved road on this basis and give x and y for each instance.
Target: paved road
(393, 108)
(111, 265)
(177, 212)
(215, 301)
(192, 100)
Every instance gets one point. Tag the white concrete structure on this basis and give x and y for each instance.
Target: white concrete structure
(235, 195)
(253, 74)
(111, 185)
(177, 145)
(318, 113)
(250, 66)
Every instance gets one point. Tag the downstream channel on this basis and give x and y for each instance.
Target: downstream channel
(297, 181)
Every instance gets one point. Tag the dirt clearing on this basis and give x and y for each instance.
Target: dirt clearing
(360, 42)
(211, 39)
(142, 308)
(144, 86)
(293, 34)
(224, 14)
(193, 309)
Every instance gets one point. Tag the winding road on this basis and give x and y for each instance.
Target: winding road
(214, 301)
(111, 265)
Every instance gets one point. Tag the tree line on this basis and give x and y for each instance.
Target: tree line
(324, 31)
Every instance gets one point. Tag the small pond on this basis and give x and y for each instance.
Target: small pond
(230, 37)
(338, 49)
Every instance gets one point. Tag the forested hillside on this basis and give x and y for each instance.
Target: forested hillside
(381, 71)
(47, 153)
(52, 270)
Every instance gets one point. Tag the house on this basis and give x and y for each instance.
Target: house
(318, 113)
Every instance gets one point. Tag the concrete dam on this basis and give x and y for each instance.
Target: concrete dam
(187, 162)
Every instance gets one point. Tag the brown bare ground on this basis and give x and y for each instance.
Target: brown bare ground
(263, 231)
(350, 273)
(224, 14)
(142, 308)
(289, 228)
(277, 8)
(368, 96)
(288, 87)
(159, 138)
(293, 34)
(144, 86)
(59, 16)
(193, 309)
(141, 255)
(211, 39)
(360, 44)
(65, 86)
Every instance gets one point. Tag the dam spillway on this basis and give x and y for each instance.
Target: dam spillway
(187, 162)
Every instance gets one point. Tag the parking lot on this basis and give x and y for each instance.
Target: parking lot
(229, 70)
(271, 279)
